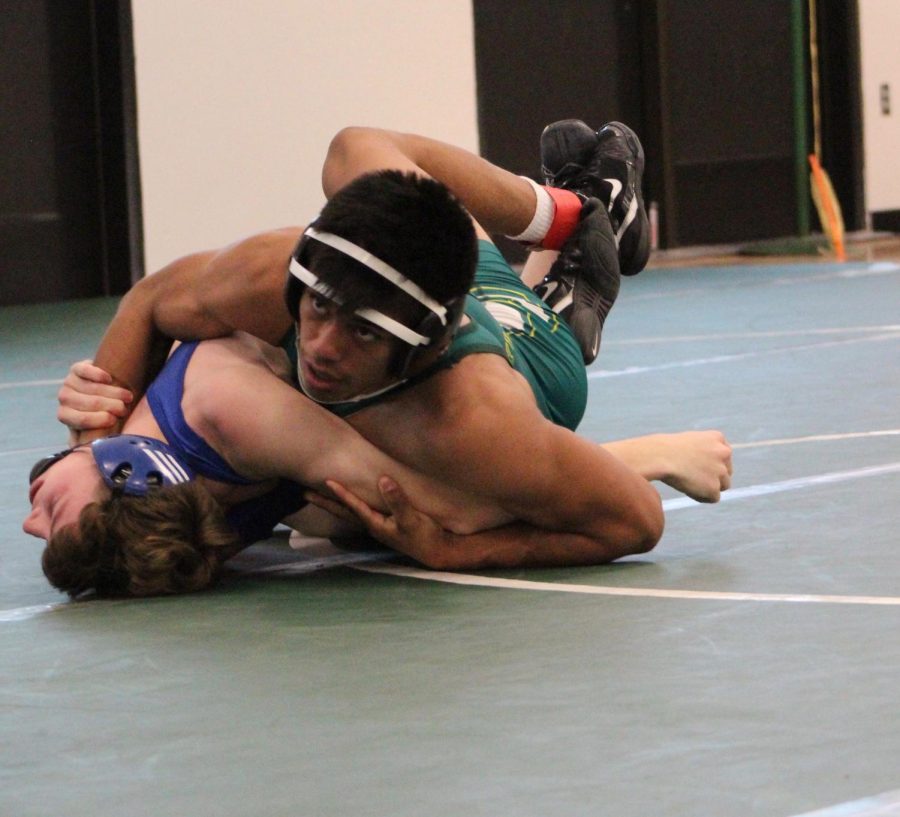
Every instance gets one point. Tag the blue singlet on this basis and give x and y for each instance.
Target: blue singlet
(252, 520)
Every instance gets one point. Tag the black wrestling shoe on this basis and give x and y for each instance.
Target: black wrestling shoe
(608, 165)
(567, 147)
(582, 285)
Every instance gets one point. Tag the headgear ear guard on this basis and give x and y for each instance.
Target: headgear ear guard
(133, 465)
(129, 464)
(440, 321)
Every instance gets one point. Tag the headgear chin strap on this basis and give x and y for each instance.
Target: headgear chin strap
(439, 322)
(133, 465)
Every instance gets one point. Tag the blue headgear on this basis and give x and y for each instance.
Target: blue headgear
(129, 464)
(132, 465)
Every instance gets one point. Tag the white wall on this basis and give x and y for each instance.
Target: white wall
(879, 30)
(238, 100)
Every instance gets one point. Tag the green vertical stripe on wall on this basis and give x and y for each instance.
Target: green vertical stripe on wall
(801, 113)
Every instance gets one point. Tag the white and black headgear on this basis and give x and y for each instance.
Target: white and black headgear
(439, 322)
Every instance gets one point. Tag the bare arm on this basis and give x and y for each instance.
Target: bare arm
(204, 295)
(575, 502)
(697, 463)
(502, 446)
(407, 529)
(498, 200)
(265, 428)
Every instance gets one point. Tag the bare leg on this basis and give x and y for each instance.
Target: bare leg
(537, 265)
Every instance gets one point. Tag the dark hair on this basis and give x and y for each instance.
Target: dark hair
(170, 541)
(411, 222)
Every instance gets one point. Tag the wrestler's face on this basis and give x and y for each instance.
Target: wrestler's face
(340, 355)
(59, 494)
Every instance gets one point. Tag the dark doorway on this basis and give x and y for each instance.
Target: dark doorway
(70, 223)
(841, 97)
(539, 61)
(727, 121)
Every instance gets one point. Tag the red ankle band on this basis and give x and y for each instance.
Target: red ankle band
(565, 219)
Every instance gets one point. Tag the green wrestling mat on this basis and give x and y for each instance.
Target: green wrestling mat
(747, 666)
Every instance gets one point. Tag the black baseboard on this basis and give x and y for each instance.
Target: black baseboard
(886, 221)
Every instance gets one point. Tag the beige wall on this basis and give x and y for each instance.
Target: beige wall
(237, 101)
(879, 31)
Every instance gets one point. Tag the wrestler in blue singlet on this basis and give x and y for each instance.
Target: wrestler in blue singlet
(252, 520)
